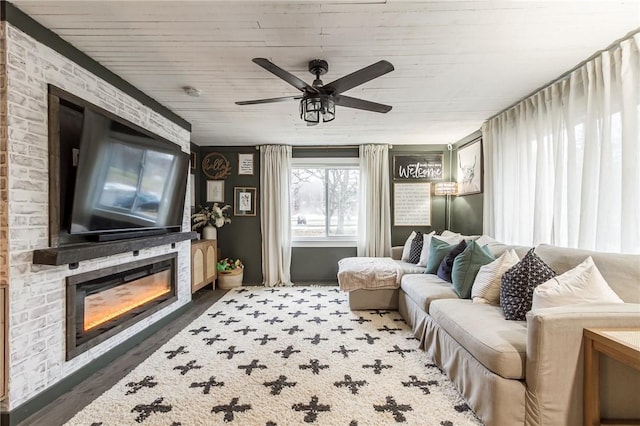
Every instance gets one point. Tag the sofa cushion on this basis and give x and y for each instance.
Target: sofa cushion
(425, 288)
(426, 246)
(466, 266)
(416, 248)
(582, 284)
(438, 250)
(518, 283)
(496, 343)
(486, 286)
(446, 266)
(407, 246)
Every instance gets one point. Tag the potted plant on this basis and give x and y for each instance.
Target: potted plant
(210, 218)
(230, 273)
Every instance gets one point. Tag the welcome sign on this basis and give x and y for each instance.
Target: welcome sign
(418, 167)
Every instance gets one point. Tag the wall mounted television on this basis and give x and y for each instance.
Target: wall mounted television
(116, 180)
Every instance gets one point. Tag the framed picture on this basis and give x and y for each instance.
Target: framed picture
(192, 160)
(469, 175)
(418, 167)
(412, 204)
(215, 191)
(216, 166)
(244, 201)
(245, 164)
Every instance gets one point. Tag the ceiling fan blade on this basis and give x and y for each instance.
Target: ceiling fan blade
(359, 77)
(268, 101)
(285, 75)
(347, 101)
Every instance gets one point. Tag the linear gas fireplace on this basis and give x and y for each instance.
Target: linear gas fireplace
(102, 303)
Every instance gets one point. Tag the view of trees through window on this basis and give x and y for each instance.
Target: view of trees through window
(324, 201)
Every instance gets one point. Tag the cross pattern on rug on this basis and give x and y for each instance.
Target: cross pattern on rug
(285, 356)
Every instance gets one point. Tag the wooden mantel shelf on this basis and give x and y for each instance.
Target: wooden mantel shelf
(71, 255)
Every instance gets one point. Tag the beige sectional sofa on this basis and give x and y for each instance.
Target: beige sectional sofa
(523, 372)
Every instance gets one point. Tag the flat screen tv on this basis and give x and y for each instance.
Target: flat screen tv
(125, 181)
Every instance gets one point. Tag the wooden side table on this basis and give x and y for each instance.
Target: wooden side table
(623, 345)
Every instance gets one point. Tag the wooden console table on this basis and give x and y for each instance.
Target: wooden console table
(621, 344)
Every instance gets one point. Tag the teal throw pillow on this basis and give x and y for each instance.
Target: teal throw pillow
(466, 266)
(438, 249)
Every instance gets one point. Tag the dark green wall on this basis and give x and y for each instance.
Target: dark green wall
(241, 238)
(466, 212)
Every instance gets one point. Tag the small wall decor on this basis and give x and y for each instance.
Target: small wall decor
(245, 164)
(216, 166)
(470, 168)
(215, 191)
(244, 201)
(412, 204)
(192, 160)
(418, 167)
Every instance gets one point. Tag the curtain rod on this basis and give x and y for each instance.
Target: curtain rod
(567, 74)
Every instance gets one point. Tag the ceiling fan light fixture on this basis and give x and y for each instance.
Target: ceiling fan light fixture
(314, 107)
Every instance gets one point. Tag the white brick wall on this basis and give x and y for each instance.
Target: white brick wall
(37, 293)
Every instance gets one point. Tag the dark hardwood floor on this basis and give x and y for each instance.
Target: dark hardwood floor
(68, 404)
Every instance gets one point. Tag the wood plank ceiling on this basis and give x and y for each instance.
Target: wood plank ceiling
(456, 63)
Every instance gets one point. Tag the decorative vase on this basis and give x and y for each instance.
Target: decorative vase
(209, 233)
(230, 279)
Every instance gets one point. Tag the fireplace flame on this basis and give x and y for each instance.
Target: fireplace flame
(112, 303)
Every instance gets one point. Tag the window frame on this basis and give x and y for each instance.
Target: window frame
(352, 163)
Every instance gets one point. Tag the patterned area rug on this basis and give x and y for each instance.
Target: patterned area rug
(284, 356)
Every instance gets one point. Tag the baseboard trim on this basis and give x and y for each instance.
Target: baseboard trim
(49, 395)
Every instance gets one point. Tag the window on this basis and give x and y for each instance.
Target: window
(324, 199)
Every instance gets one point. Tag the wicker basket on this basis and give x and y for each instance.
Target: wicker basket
(230, 279)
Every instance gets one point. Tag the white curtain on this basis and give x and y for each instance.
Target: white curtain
(563, 166)
(275, 215)
(374, 225)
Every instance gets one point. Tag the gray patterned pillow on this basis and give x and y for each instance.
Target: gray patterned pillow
(518, 283)
(416, 248)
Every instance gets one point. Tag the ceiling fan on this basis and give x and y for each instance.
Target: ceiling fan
(319, 100)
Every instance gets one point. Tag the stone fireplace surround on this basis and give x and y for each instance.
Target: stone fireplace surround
(35, 294)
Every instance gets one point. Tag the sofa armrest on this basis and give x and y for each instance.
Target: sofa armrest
(554, 369)
(396, 252)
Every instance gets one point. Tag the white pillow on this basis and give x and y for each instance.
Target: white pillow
(407, 247)
(426, 246)
(483, 240)
(582, 284)
(486, 286)
(446, 233)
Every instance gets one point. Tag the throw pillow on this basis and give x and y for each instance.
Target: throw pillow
(426, 245)
(437, 251)
(444, 270)
(466, 266)
(486, 286)
(582, 284)
(516, 288)
(407, 247)
(416, 248)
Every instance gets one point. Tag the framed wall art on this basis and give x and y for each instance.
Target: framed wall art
(418, 167)
(215, 191)
(412, 204)
(244, 201)
(192, 160)
(469, 175)
(216, 166)
(245, 164)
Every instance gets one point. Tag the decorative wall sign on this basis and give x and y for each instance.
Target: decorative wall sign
(216, 166)
(418, 167)
(245, 164)
(470, 168)
(412, 204)
(244, 201)
(215, 191)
